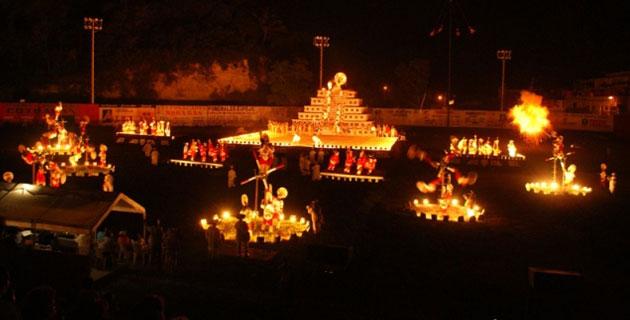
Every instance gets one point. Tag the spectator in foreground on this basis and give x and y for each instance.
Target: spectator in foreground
(40, 304)
(242, 236)
(8, 309)
(213, 236)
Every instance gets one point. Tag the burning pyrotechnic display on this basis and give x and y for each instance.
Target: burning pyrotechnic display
(530, 116)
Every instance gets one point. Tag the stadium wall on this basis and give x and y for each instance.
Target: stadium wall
(228, 115)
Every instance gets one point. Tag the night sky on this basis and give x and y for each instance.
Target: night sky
(553, 43)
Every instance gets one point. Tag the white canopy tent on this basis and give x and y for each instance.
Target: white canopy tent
(26, 206)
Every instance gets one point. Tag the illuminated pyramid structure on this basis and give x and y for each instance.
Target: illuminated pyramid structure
(335, 119)
(335, 111)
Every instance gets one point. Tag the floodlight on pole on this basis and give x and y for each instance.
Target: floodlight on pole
(321, 42)
(93, 25)
(503, 55)
(453, 16)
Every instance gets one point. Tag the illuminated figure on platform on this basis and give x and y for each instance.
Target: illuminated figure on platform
(55, 175)
(361, 162)
(569, 175)
(496, 149)
(485, 149)
(40, 177)
(212, 152)
(223, 155)
(462, 146)
(202, 151)
(185, 151)
(562, 182)
(454, 146)
(333, 161)
(57, 147)
(193, 150)
(612, 183)
(102, 155)
(511, 147)
(472, 146)
(370, 165)
(444, 171)
(349, 161)
(447, 207)
(265, 158)
(603, 176)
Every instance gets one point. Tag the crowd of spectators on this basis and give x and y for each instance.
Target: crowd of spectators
(20, 299)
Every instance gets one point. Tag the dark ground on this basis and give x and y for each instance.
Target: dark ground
(401, 266)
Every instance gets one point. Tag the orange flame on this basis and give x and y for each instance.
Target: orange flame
(530, 116)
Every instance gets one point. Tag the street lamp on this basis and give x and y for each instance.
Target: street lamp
(503, 55)
(93, 25)
(321, 42)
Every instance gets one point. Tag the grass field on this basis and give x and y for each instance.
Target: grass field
(401, 266)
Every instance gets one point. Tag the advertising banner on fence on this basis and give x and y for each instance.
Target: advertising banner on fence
(35, 112)
(183, 115)
(586, 122)
(115, 115)
(485, 119)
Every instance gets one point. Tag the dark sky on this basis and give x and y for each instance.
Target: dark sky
(553, 42)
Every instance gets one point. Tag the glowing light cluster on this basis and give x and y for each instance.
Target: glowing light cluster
(447, 210)
(82, 157)
(554, 188)
(530, 116)
(281, 229)
(154, 128)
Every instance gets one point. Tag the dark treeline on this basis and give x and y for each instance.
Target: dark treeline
(214, 51)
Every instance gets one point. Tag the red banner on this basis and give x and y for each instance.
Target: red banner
(35, 112)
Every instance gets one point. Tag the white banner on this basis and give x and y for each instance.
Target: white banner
(116, 115)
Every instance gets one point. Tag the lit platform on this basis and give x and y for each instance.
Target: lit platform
(351, 177)
(272, 231)
(554, 188)
(86, 170)
(187, 163)
(135, 138)
(446, 212)
(371, 143)
(495, 161)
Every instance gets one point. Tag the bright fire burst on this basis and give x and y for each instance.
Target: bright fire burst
(530, 116)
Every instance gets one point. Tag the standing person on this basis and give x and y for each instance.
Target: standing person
(310, 208)
(303, 164)
(612, 183)
(214, 237)
(123, 246)
(147, 149)
(311, 156)
(136, 245)
(231, 177)
(242, 236)
(155, 155)
(320, 156)
(8, 308)
(170, 250)
(316, 176)
(155, 243)
(603, 176)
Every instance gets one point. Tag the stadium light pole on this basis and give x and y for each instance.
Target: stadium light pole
(93, 25)
(321, 42)
(503, 55)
